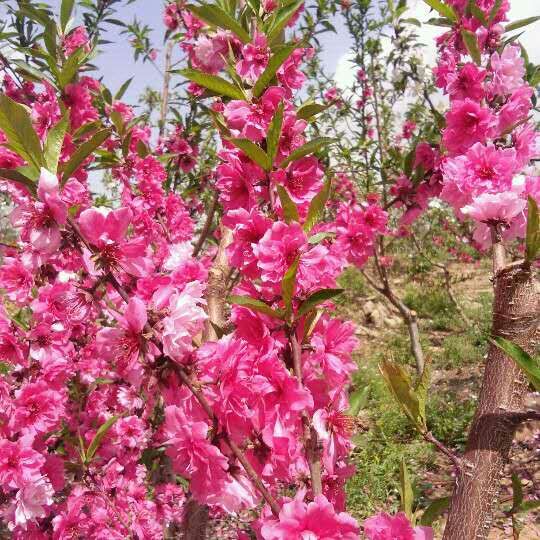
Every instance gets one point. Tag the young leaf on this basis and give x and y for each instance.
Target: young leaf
(316, 206)
(280, 20)
(358, 401)
(469, 38)
(521, 23)
(444, 9)
(16, 124)
(290, 211)
(254, 305)
(83, 152)
(98, 438)
(517, 492)
(216, 16)
(66, 9)
(14, 175)
(532, 239)
(422, 388)
(275, 62)
(54, 143)
(306, 149)
(316, 299)
(405, 489)
(253, 152)
(288, 285)
(309, 109)
(122, 90)
(399, 384)
(530, 365)
(434, 511)
(274, 133)
(212, 82)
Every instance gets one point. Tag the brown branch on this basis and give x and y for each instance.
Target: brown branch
(311, 442)
(166, 83)
(207, 225)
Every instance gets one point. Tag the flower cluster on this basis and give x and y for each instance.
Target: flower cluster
(113, 390)
(489, 138)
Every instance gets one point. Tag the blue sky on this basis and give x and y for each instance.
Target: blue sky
(116, 60)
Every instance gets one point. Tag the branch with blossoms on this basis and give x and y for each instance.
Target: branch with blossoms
(116, 376)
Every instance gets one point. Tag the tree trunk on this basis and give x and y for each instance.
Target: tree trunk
(516, 310)
(196, 515)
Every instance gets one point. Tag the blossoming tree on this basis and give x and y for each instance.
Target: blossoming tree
(157, 367)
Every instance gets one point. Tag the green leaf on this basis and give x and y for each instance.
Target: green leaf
(15, 175)
(530, 365)
(316, 206)
(212, 82)
(405, 489)
(120, 94)
(399, 384)
(216, 16)
(83, 152)
(470, 41)
(408, 162)
(275, 62)
(254, 152)
(422, 388)
(98, 438)
(532, 239)
(255, 305)
(54, 143)
(412, 20)
(281, 17)
(434, 511)
(310, 109)
(521, 23)
(358, 401)
(528, 506)
(517, 492)
(66, 9)
(16, 124)
(319, 237)
(288, 285)
(444, 9)
(309, 148)
(478, 13)
(274, 133)
(290, 211)
(71, 67)
(316, 299)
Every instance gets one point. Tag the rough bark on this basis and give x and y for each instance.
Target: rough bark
(196, 515)
(516, 311)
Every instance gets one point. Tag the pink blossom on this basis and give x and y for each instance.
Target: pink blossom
(299, 520)
(106, 231)
(41, 221)
(508, 70)
(76, 39)
(30, 502)
(254, 59)
(209, 53)
(19, 464)
(386, 527)
(467, 82)
(192, 454)
(495, 207)
(466, 123)
(185, 320)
